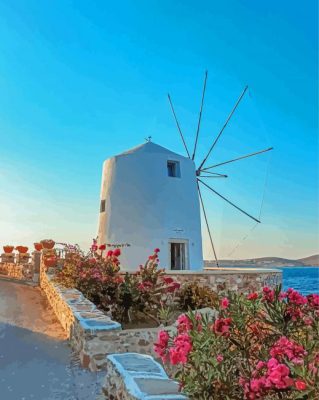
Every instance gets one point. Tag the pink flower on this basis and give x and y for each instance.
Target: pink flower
(295, 297)
(313, 300)
(282, 296)
(260, 365)
(156, 250)
(160, 347)
(182, 346)
(94, 245)
(224, 303)
(221, 326)
(289, 349)
(300, 385)
(268, 294)
(184, 324)
(219, 358)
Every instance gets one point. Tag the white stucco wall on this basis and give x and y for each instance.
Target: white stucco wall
(146, 208)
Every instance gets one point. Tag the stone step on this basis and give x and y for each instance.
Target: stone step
(133, 376)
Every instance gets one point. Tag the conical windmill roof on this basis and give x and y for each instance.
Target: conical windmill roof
(149, 147)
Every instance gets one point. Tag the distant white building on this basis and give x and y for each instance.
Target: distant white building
(149, 199)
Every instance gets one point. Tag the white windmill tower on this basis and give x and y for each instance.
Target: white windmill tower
(150, 198)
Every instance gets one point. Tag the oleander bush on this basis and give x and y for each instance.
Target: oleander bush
(259, 346)
(148, 293)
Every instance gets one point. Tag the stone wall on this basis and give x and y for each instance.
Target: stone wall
(80, 318)
(16, 271)
(242, 280)
(93, 334)
(20, 267)
(132, 376)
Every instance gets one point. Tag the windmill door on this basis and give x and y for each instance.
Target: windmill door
(178, 255)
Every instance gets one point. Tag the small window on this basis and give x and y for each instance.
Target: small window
(173, 169)
(102, 206)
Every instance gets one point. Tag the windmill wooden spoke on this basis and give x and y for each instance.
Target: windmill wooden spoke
(224, 126)
(177, 124)
(207, 225)
(200, 115)
(228, 201)
(236, 159)
(213, 176)
(213, 173)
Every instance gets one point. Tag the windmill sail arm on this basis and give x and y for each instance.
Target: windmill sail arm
(200, 115)
(213, 173)
(237, 159)
(214, 176)
(207, 224)
(177, 124)
(224, 126)
(228, 201)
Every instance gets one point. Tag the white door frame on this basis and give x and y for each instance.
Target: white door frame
(186, 243)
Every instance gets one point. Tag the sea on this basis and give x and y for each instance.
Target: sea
(303, 279)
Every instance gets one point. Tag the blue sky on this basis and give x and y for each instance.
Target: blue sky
(81, 81)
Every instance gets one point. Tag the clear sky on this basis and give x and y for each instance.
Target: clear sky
(81, 81)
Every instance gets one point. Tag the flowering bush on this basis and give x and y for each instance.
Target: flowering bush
(260, 346)
(97, 275)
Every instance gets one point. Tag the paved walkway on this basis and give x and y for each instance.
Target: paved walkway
(36, 362)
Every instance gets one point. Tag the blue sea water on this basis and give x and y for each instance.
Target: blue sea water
(303, 279)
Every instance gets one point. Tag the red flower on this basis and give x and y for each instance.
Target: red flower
(102, 247)
(252, 296)
(173, 287)
(117, 252)
(156, 250)
(300, 385)
(168, 280)
(109, 253)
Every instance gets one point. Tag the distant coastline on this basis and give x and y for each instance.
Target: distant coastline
(264, 262)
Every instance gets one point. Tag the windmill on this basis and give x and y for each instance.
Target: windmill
(203, 171)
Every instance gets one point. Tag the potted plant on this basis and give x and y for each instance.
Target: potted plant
(38, 246)
(48, 244)
(22, 249)
(8, 249)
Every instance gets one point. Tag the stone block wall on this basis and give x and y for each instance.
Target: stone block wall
(20, 267)
(16, 271)
(242, 280)
(79, 317)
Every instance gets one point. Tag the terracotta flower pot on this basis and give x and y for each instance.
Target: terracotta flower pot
(38, 246)
(22, 249)
(8, 249)
(48, 244)
(50, 261)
